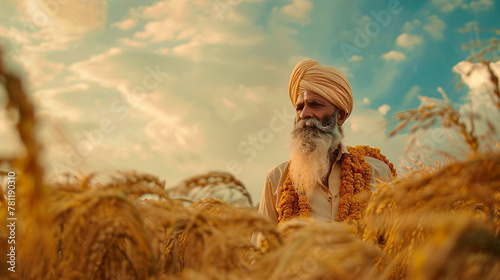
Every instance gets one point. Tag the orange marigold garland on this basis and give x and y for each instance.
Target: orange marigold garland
(346, 187)
(355, 178)
(291, 205)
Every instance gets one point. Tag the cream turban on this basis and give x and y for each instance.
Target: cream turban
(326, 81)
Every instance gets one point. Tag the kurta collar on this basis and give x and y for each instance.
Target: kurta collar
(343, 150)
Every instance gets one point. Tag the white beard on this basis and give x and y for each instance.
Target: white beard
(311, 147)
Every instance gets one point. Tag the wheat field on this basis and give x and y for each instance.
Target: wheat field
(438, 222)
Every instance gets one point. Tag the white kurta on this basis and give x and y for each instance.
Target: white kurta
(325, 200)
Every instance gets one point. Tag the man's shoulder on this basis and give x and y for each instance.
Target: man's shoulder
(379, 169)
(277, 171)
(374, 158)
(374, 161)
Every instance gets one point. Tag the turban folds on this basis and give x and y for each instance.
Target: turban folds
(326, 81)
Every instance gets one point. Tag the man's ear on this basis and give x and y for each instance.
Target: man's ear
(340, 117)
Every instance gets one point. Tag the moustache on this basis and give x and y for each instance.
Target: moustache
(316, 125)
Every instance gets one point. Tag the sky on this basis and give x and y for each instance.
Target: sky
(180, 88)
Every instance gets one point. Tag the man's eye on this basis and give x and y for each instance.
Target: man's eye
(300, 107)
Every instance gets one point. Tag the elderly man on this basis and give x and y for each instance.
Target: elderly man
(324, 179)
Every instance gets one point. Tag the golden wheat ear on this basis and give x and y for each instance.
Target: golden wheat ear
(31, 192)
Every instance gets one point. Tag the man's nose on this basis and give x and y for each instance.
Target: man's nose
(306, 113)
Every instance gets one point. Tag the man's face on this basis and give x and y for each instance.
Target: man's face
(315, 137)
(313, 105)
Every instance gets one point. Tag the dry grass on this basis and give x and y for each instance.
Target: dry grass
(442, 223)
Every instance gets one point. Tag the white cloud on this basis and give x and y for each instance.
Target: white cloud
(159, 31)
(44, 40)
(132, 43)
(448, 5)
(86, 70)
(15, 36)
(410, 26)
(164, 50)
(52, 25)
(384, 109)
(476, 75)
(157, 10)
(435, 27)
(183, 20)
(356, 58)
(476, 6)
(156, 128)
(366, 100)
(345, 71)
(53, 105)
(471, 24)
(227, 103)
(252, 94)
(394, 55)
(409, 41)
(169, 133)
(126, 24)
(40, 71)
(194, 27)
(298, 11)
(481, 5)
(69, 18)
